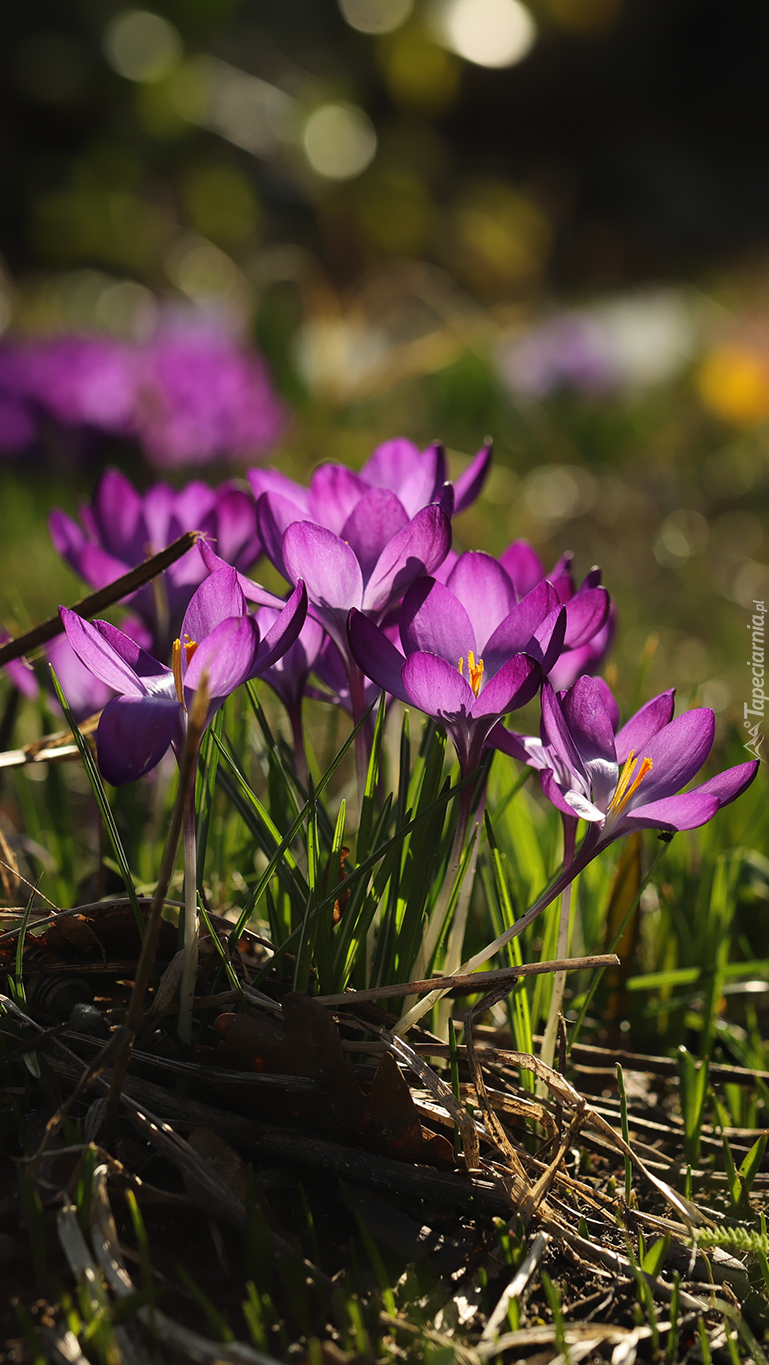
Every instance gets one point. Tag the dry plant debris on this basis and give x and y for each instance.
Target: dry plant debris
(270, 1190)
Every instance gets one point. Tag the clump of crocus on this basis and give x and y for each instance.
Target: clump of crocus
(359, 540)
(122, 527)
(218, 648)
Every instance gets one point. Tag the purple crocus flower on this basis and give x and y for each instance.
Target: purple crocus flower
(591, 616)
(416, 478)
(632, 779)
(121, 527)
(218, 639)
(473, 652)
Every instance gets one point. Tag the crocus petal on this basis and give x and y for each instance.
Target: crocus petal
(100, 655)
(586, 613)
(153, 676)
(67, 537)
(592, 579)
(375, 655)
(562, 800)
(283, 633)
(334, 492)
(84, 692)
(443, 571)
(514, 685)
(517, 630)
(728, 785)
(591, 730)
(272, 481)
(433, 621)
(549, 637)
(526, 748)
(689, 810)
(523, 565)
(328, 567)
(253, 592)
(375, 519)
(645, 723)
(437, 688)
(562, 577)
(557, 734)
(218, 597)
(610, 703)
(425, 482)
(416, 477)
(274, 515)
(418, 549)
(677, 752)
(236, 536)
(580, 806)
(133, 734)
(444, 498)
(163, 526)
(485, 591)
(20, 672)
(471, 480)
(587, 658)
(118, 513)
(91, 562)
(225, 656)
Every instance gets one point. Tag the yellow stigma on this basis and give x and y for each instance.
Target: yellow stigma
(628, 784)
(475, 670)
(189, 648)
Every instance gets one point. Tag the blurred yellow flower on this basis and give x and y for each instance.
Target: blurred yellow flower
(733, 383)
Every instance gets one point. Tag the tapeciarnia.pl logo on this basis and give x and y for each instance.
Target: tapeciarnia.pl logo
(757, 704)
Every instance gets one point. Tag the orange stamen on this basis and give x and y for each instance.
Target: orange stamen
(189, 648)
(476, 672)
(628, 784)
(474, 669)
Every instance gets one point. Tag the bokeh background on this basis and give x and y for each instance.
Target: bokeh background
(237, 231)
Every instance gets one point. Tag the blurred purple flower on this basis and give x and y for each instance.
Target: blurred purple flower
(121, 527)
(218, 639)
(473, 651)
(188, 398)
(21, 673)
(202, 399)
(565, 351)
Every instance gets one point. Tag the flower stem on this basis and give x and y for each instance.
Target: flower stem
(297, 734)
(191, 926)
(547, 1052)
(435, 923)
(565, 876)
(358, 703)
